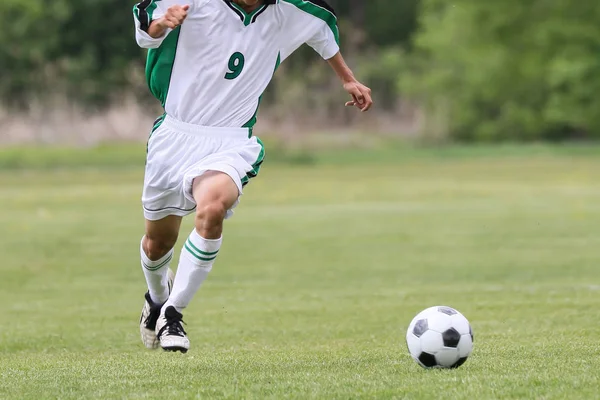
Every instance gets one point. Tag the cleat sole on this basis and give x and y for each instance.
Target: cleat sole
(175, 349)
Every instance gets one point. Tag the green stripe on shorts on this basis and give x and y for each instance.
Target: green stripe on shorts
(257, 164)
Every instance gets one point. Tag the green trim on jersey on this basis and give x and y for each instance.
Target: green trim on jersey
(256, 166)
(147, 11)
(319, 12)
(151, 8)
(159, 66)
(250, 124)
(248, 16)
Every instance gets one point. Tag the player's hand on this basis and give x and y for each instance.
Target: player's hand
(361, 96)
(173, 18)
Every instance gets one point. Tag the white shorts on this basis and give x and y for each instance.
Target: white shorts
(179, 152)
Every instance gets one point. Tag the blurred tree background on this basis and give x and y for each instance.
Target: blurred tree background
(469, 70)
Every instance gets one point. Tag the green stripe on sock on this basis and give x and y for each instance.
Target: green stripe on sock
(204, 253)
(196, 255)
(162, 264)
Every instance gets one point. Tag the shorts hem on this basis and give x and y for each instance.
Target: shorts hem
(156, 215)
(188, 180)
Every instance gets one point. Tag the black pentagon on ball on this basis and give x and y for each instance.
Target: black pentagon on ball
(451, 338)
(460, 362)
(447, 310)
(420, 327)
(427, 360)
(471, 333)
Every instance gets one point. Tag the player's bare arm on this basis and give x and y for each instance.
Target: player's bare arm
(361, 95)
(173, 18)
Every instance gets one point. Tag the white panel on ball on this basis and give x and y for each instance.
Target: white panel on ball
(431, 342)
(439, 322)
(447, 357)
(414, 344)
(465, 346)
(460, 323)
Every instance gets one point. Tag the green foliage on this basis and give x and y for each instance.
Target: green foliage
(484, 71)
(380, 69)
(508, 70)
(383, 22)
(98, 49)
(85, 49)
(81, 48)
(30, 38)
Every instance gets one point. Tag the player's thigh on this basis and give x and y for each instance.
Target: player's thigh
(214, 189)
(163, 233)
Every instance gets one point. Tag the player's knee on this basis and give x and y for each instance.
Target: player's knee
(157, 247)
(211, 215)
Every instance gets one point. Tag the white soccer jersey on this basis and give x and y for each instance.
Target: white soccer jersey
(213, 69)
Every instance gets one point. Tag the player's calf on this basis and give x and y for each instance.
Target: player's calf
(157, 244)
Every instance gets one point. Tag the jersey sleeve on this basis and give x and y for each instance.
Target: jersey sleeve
(310, 22)
(149, 10)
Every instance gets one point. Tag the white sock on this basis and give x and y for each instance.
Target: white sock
(156, 275)
(196, 261)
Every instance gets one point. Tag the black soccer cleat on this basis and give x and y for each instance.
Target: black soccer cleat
(170, 332)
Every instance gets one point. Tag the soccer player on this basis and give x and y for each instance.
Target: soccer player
(208, 64)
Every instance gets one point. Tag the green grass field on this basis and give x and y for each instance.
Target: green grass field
(322, 269)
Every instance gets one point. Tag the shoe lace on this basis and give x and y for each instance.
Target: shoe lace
(173, 327)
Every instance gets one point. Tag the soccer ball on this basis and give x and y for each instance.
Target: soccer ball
(440, 337)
